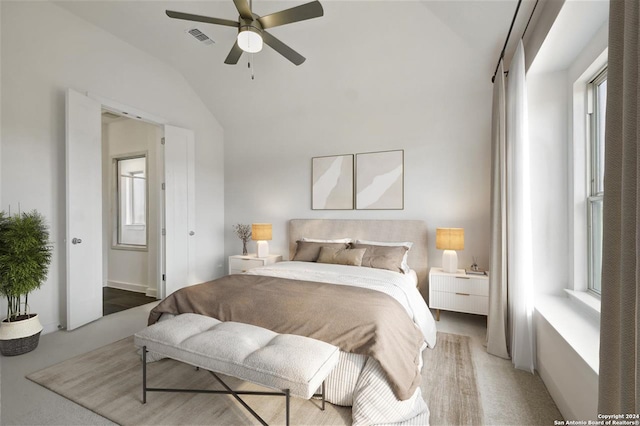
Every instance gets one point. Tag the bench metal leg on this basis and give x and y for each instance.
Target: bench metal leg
(228, 391)
(244, 404)
(322, 395)
(144, 374)
(287, 396)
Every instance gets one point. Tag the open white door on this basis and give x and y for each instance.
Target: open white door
(84, 210)
(179, 244)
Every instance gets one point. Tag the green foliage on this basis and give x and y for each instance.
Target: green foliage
(25, 255)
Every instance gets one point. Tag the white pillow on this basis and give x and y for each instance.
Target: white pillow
(338, 240)
(408, 244)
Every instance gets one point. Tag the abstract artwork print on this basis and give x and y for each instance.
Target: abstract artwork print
(380, 180)
(332, 183)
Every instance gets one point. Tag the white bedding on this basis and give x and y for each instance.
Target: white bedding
(402, 287)
(359, 380)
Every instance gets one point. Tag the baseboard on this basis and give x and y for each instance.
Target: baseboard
(152, 292)
(138, 288)
(50, 328)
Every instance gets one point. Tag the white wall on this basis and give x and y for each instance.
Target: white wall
(579, 73)
(564, 54)
(548, 127)
(556, 109)
(443, 125)
(542, 20)
(558, 160)
(61, 51)
(572, 383)
(1, 107)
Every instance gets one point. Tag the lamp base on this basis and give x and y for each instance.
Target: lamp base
(450, 261)
(262, 249)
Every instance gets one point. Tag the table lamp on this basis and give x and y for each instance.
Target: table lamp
(450, 240)
(261, 232)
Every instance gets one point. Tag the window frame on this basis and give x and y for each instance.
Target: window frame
(595, 188)
(118, 221)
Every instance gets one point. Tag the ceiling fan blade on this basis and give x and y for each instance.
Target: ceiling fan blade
(200, 18)
(295, 14)
(234, 56)
(282, 48)
(243, 9)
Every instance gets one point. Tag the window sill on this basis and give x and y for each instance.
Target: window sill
(577, 321)
(586, 301)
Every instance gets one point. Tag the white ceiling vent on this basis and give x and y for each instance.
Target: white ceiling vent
(200, 36)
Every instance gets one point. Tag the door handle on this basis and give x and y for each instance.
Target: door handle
(76, 241)
(192, 233)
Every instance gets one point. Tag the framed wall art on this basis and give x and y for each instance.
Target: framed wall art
(332, 182)
(380, 180)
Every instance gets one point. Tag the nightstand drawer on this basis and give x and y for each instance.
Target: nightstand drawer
(243, 265)
(460, 284)
(460, 302)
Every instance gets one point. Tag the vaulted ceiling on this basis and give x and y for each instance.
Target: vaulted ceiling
(359, 52)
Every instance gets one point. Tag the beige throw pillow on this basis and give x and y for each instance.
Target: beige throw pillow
(341, 256)
(308, 251)
(382, 257)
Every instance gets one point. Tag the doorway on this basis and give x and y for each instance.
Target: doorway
(172, 265)
(131, 170)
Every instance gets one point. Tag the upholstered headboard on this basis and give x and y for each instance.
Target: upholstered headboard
(375, 230)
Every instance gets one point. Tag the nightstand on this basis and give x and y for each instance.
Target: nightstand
(239, 264)
(458, 292)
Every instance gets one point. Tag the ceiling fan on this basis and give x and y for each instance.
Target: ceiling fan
(252, 28)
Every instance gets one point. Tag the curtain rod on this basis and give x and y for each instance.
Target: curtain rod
(513, 21)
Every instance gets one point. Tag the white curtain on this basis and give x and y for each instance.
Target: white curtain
(517, 333)
(497, 325)
(520, 265)
(619, 382)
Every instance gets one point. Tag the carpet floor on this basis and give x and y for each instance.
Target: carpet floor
(107, 381)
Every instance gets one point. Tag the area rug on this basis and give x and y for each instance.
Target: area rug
(108, 381)
(449, 382)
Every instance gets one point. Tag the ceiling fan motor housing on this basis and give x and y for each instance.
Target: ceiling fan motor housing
(250, 24)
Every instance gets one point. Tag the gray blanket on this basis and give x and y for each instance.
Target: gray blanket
(357, 320)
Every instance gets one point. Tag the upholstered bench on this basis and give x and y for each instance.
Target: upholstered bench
(293, 365)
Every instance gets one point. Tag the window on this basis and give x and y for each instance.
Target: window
(131, 192)
(598, 97)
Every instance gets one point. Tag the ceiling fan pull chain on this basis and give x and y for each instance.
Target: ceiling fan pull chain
(253, 77)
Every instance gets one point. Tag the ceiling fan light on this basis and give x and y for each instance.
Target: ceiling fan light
(250, 40)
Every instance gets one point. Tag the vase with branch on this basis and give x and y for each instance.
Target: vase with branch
(244, 233)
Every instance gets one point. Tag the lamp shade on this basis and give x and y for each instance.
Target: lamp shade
(261, 231)
(249, 39)
(450, 238)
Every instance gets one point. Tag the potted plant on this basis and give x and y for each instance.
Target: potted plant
(25, 255)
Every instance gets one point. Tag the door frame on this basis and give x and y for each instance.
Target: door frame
(136, 114)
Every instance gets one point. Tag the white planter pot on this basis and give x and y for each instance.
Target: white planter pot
(19, 337)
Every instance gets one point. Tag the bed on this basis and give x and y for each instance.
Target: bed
(374, 314)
